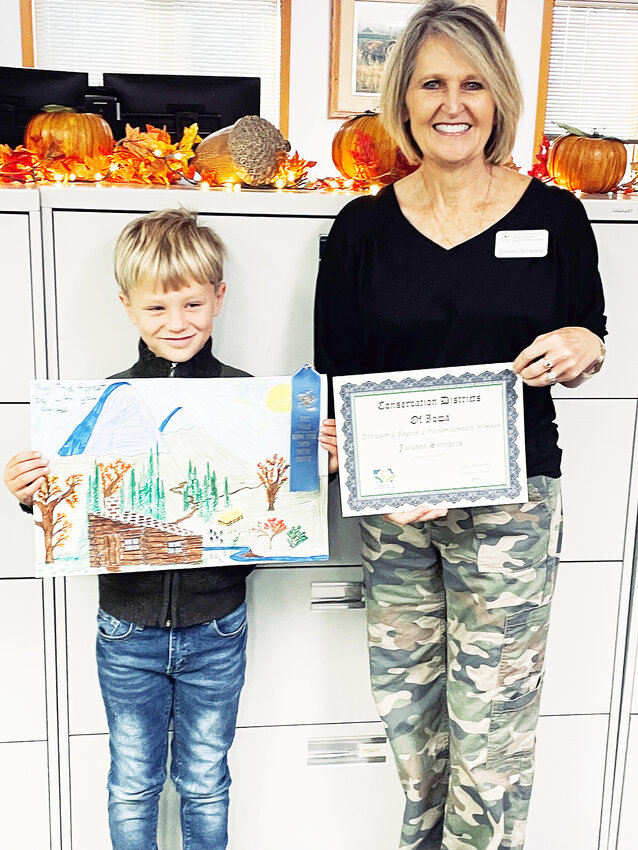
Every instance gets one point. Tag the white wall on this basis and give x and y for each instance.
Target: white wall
(10, 34)
(311, 131)
(523, 29)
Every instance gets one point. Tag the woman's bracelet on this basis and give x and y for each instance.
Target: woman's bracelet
(597, 365)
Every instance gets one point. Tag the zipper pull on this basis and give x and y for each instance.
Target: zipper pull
(171, 374)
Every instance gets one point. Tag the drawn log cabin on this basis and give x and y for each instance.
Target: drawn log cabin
(132, 539)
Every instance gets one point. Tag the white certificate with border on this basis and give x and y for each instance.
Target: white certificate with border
(449, 437)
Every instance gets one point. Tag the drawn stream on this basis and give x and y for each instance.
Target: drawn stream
(244, 554)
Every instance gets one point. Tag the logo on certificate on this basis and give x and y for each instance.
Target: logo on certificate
(384, 478)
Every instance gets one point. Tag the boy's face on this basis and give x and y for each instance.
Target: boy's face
(174, 324)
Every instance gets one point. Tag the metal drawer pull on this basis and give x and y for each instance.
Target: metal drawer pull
(336, 594)
(369, 750)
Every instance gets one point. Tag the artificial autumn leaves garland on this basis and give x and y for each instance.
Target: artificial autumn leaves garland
(141, 157)
(150, 158)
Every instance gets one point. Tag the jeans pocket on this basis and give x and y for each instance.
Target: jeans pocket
(110, 628)
(231, 625)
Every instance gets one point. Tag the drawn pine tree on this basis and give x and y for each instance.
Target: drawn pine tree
(93, 502)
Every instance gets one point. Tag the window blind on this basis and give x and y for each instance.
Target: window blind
(593, 69)
(207, 37)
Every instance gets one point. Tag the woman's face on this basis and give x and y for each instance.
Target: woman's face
(451, 111)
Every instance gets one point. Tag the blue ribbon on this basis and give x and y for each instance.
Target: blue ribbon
(304, 430)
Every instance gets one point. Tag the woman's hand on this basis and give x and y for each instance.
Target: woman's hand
(328, 439)
(423, 513)
(560, 356)
(24, 475)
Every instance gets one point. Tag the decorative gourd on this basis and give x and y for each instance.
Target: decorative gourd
(249, 152)
(589, 162)
(58, 131)
(362, 149)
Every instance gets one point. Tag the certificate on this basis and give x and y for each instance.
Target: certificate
(449, 437)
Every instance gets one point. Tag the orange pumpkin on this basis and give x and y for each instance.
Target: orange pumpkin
(59, 132)
(363, 150)
(593, 164)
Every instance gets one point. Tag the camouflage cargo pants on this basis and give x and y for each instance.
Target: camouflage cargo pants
(458, 613)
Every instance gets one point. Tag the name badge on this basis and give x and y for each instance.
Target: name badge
(521, 243)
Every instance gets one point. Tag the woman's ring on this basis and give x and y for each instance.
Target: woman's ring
(547, 364)
(551, 377)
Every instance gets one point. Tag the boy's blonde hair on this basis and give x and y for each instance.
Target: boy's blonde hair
(170, 249)
(478, 36)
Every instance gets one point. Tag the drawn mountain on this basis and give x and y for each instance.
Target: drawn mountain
(179, 419)
(186, 439)
(119, 423)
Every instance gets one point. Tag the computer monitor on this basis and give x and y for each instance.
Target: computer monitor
(24, 91)
(177, 101)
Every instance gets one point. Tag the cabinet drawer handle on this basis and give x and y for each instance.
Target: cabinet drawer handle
(361, 750)
(326, 595)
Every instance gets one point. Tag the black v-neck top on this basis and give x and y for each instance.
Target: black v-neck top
(389, 298)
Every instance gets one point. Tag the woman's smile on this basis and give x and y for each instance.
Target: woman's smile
(452, 129)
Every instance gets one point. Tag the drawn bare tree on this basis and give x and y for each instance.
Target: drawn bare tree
(54, 524)
(272, 474)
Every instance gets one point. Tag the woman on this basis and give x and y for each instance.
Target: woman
(458, 601)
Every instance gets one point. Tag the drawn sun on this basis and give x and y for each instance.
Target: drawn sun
(279, 398)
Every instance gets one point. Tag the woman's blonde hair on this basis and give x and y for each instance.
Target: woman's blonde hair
(479, 37)
(170, 249)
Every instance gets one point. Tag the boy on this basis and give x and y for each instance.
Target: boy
(170, 644)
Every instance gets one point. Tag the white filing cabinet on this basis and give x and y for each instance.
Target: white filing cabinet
(24, 733)
(309, 760)
(616, 227)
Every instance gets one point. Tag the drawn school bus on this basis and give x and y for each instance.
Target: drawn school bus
(230, 516)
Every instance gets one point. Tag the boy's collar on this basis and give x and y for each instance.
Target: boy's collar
(202, 365)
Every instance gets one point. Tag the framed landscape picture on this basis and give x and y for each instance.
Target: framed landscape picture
(363, 35)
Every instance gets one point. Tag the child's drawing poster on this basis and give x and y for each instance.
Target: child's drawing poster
(153, 474)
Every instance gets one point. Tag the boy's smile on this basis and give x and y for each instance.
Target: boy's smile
(175, 324)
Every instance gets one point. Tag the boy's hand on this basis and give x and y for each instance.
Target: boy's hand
(24, 475)
(328, 439)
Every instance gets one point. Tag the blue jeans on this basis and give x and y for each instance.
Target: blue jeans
(149, 675)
